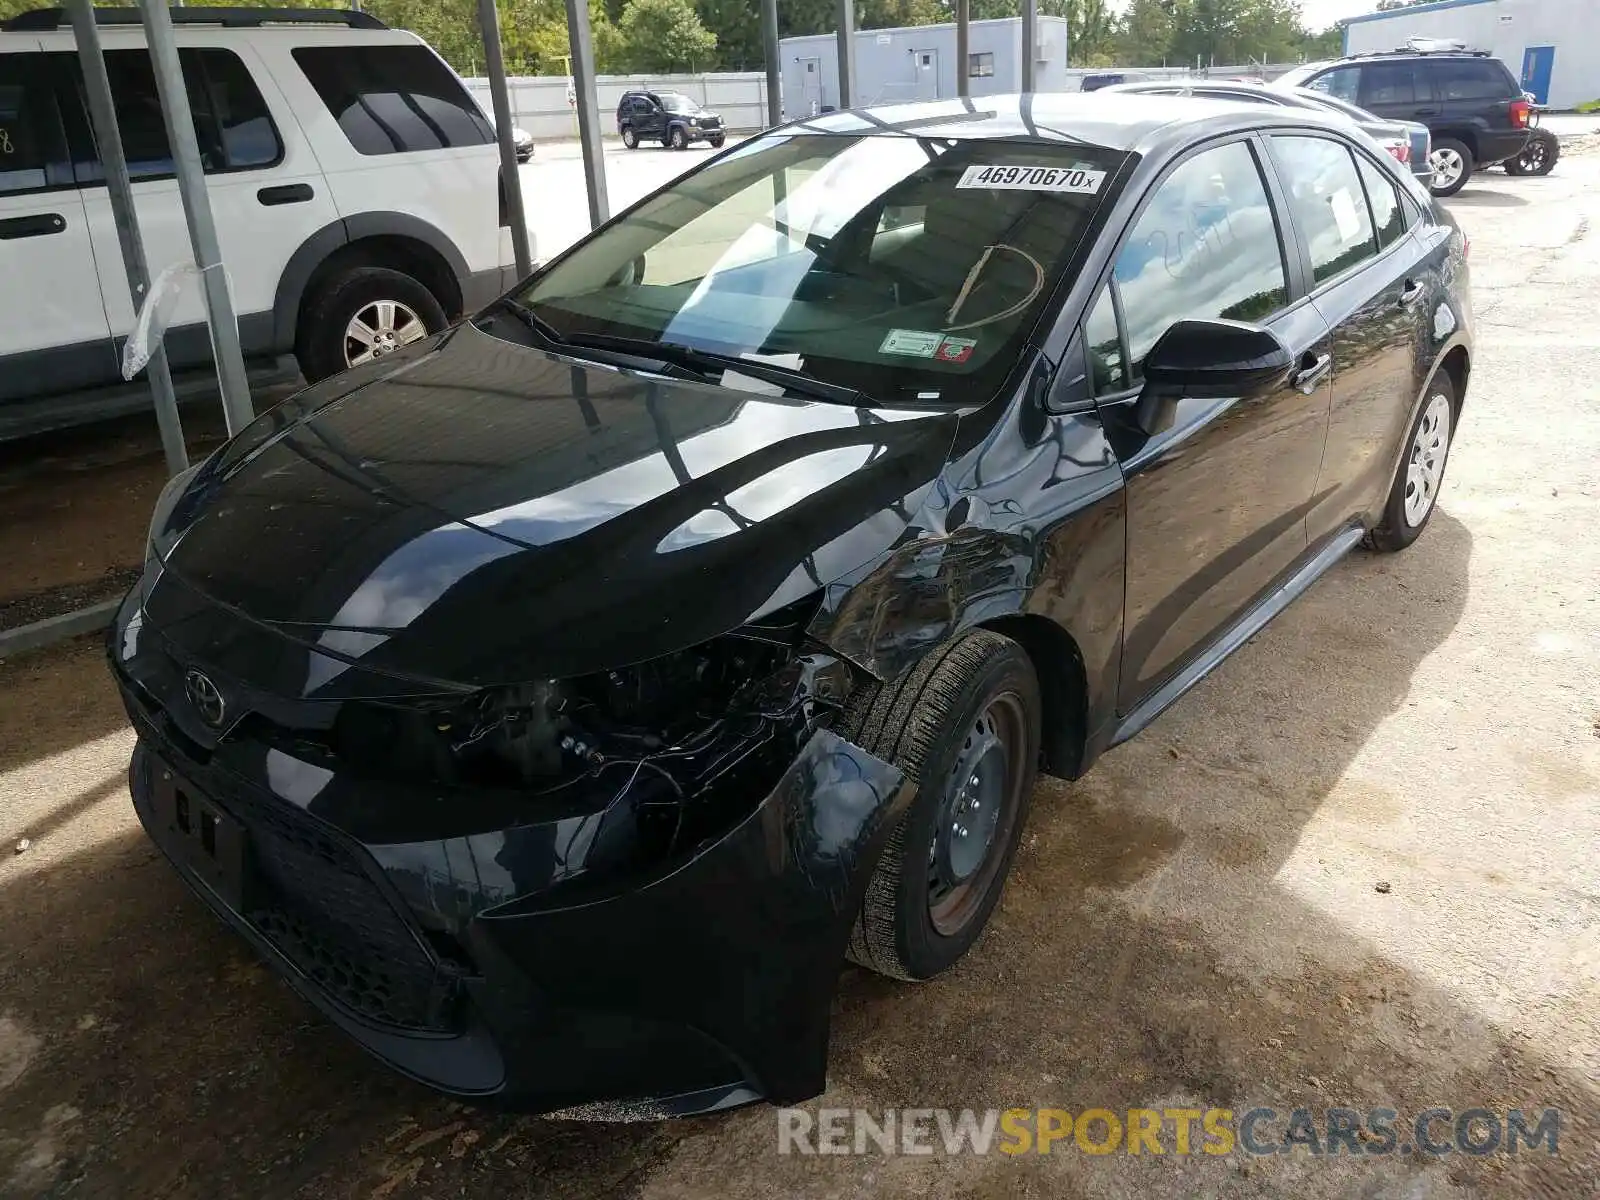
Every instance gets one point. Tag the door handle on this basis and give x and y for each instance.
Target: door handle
(1410, 294)
(39, 225)
(287, 193)
(1307, 378)
(1426, 112)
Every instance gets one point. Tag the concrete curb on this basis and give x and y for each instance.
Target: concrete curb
(57, 629)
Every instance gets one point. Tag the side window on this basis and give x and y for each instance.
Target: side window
(1388, 214)
(32, 151)
(243, 124)
(1389, 83)
(231, 123)
(1472, 79)
(1325, 193)
(1104, 343)
(1343, 82)
(1206, 245)
(393, 99)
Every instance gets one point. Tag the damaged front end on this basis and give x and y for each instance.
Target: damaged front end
(633, 886)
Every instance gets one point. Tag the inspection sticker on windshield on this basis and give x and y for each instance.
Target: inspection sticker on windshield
(1033, 179)
(918, 343)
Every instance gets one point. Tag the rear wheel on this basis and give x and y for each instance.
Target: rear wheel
(964, 726)
(360, 314)
(1415, 491)
(1538, 157)
(630, 139)
(1452, 165)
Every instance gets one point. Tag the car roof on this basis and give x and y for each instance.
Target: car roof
(1130, 121)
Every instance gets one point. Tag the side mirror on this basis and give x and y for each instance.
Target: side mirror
(1208, 360)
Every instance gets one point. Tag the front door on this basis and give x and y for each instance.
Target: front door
(53, 332)
(651, 117)
(1217, 503)
(1537, 63)
(811, 86)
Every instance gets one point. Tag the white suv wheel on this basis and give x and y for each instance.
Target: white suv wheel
(380, 328)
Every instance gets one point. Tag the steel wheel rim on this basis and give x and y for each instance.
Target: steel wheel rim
(1447, 166)
(381, 328)
(1425, 469)
(976, 810)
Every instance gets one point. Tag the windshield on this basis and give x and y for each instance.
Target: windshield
(1298, 76)
(673, 102)
(888, 265)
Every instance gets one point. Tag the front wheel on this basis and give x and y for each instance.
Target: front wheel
(1415, 491)
(630, 139)
(1452, 166)
(678, 138)
(716, 141)
(964, 727)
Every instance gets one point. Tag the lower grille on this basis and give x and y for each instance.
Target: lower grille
(311, 900)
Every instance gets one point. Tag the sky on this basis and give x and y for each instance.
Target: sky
(1319, 14)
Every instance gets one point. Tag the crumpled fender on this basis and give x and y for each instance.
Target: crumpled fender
(742, 943)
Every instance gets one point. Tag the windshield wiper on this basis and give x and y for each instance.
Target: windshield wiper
(710, 362)
(617, 356)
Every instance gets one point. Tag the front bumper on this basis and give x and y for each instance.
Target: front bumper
(490, 965)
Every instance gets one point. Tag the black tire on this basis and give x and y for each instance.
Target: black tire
(716, 141)
(1538, 156)
(630, 139)
(928, 724)
(1468, 165)
(678, 137)
(328, 312)
(1396, 531)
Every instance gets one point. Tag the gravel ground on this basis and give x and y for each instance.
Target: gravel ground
(1356, 866)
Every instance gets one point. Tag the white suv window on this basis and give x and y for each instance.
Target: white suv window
(393, 99)
(30, 134)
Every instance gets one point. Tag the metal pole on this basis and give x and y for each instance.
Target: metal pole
(236, 408)
(769, 45)
(500, 99)
(847, 52)
(1030, 39)
(108, 137)
(963, 58)
(594, 157)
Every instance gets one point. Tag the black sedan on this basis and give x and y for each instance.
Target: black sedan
(559, 701)
(1405, 141)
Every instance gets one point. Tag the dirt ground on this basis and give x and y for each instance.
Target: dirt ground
(1356, 866)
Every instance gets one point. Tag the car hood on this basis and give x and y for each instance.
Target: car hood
(483, 512)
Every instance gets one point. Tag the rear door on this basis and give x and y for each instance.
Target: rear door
(53, 332)
(266, 192)
(1371, 284)
(1217, 503)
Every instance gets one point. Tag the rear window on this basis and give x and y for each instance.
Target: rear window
(888, 264)
(1474, 79)
(394, 99)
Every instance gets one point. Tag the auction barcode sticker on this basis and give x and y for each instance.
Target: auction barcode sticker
(1033, 179)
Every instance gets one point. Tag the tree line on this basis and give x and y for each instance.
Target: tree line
(658, 36)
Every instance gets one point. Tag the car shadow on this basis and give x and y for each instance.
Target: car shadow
(144, 1052)
(1475, 197)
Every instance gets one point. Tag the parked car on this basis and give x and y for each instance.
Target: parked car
(1539, 156)
(556, 703)
(1406, 141)
(1470, 102)
(353, 181)
(670, 118)
(1105, 79)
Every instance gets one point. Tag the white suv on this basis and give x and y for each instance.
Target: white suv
(354, 181)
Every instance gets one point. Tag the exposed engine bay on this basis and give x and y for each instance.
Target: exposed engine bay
(679, 742)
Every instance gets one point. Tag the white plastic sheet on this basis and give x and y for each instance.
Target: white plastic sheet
(155, 314)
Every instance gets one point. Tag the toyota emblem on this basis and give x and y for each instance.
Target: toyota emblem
(205, 697)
